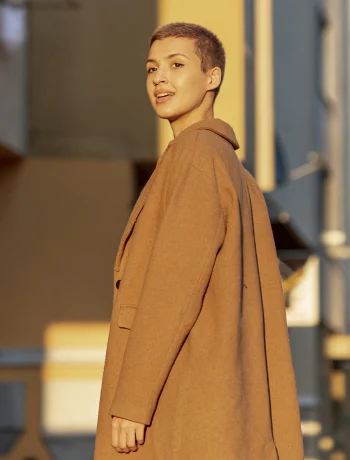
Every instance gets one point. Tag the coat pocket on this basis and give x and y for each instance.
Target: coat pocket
(126, 316)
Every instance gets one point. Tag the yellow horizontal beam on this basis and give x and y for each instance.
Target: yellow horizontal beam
(79, 334)
(337, 346)
(52, 372)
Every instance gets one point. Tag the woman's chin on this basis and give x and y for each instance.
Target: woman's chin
(170, 116)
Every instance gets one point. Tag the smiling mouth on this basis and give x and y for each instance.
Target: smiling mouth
(163, 97)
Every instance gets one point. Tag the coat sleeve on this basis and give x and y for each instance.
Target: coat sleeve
(190, 234)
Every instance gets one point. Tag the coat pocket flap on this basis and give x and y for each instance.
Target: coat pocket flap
(126, 316)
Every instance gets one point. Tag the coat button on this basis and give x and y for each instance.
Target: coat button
(117, 284)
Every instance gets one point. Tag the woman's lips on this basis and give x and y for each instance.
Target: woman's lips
(161, 100)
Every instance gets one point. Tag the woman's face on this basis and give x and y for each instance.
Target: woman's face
(176, 85)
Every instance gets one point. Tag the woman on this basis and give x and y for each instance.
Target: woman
(198, 363)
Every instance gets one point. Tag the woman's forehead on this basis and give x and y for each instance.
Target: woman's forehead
(162, 49)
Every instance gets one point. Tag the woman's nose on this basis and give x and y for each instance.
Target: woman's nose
(159, 77)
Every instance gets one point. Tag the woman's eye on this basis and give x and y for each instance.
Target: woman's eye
(151, 70)
(178, 64)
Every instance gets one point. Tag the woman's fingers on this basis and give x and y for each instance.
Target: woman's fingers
(115, 435)
(140, 434)
(127, 435)
(122, 441)
(131, 439)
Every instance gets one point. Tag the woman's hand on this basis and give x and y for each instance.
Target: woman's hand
(127, 435)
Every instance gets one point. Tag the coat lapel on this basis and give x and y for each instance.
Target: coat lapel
(132, 219)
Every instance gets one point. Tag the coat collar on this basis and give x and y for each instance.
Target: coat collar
(215, 125)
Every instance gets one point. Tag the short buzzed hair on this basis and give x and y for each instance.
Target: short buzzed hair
(208, 47)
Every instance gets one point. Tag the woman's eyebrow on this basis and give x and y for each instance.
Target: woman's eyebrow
(168, 57)
(177, 54)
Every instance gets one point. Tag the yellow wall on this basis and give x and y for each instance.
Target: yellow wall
(225, 19)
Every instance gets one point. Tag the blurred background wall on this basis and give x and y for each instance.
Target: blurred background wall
(78, 141)
(86, 87)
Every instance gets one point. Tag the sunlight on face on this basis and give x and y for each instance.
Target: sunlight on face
(176, 85)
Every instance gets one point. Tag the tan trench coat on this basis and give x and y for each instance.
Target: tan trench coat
(198, 347)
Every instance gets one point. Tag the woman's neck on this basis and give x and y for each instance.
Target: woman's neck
(189, 119)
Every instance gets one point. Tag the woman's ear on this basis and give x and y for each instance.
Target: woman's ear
(214, 78)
